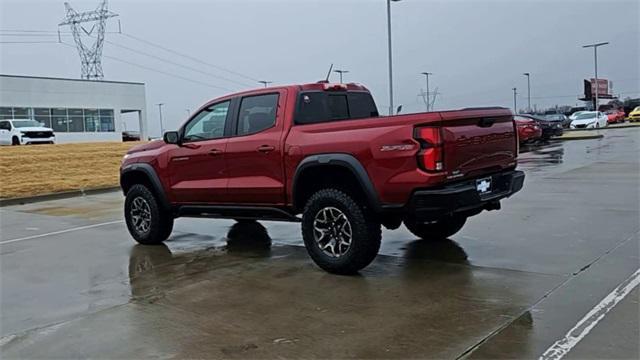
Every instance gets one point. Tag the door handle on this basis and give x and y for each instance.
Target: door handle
(266, 148)
(214, 152)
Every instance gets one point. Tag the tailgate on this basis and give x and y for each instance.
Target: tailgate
(478, 142)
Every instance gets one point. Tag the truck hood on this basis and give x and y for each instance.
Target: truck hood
(155, 144)
(34, 128)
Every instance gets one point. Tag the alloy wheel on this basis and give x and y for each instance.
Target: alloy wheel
(140, 215)
(332, 232)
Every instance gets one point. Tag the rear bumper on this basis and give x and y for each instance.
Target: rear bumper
(463, 198)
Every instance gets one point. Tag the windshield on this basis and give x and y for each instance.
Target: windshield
(586, 116)
(26, 123)
(554, 117)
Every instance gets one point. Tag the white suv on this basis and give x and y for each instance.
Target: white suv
(25, 131)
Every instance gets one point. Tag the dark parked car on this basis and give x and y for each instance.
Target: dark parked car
(549, 128)
(130, 136)
(559, 117)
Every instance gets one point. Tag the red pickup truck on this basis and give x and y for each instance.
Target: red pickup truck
(321, 155)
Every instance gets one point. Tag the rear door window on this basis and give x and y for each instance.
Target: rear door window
(257, 113)
(361, 105)
(317, 107)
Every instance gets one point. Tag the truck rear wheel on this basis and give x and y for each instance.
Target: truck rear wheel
(147, 222)
(338, 234)
(439, 230)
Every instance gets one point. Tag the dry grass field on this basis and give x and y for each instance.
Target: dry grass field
(42, 169)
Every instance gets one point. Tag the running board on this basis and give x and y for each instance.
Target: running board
(236, 212)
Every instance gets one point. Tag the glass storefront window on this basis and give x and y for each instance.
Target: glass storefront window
(59, 112)
(106, 112)
(76, 124)
(42, 115)
(75, 112)
(21, 113)
(91, 120)
(45, 120)
(63, 119)
(106, 123)
(59, 123)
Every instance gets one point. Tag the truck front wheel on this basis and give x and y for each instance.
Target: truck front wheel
(147, 222)
(439, 230)
(338, 234)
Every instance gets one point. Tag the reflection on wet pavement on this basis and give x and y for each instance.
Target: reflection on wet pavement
(533, 157)
(444, 250)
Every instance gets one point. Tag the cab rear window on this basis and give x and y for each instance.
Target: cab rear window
(317, 106)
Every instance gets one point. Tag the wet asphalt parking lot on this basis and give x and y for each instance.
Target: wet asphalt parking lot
(511, 284)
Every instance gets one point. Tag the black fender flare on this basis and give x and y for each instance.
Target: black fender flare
(346, 161)
(151, 174)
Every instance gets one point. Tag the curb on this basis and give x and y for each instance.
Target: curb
(56, 196)
(605, 128)
(588, 137)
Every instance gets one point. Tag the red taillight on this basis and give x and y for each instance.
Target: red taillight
(430, 156)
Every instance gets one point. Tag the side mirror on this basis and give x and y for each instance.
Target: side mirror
(171, 137)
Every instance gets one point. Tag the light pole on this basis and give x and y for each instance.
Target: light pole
(188, 112)
(160, 112)
(528, 75)
(426, 74)
(390, 57)
(595, 57)
(341, 72)
(265, 83)
(515, 104)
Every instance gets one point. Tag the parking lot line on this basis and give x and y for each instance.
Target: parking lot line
(561, 347)
(60, 232)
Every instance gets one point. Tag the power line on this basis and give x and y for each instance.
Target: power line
(176, 64)
(159, 71)
(154, 45)
(28, 42)
(189, 57)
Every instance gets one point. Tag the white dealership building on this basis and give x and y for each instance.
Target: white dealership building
(77, 110)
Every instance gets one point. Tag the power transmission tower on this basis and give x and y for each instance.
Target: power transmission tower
(90, 55)
(429, 99)
(433, 99)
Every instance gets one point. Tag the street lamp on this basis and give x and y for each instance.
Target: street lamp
(341, 72)
(390, 57)
(595, 56)
(426, 74)
(515, 104)
(528, 75)
(161, 126)
(265, 83)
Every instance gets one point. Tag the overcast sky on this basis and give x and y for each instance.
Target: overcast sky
(477, 50)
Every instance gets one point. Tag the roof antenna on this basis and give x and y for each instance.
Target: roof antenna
(326, 80)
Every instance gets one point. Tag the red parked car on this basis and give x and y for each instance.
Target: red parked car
(528, 129)
(615, 116)
(322, 151)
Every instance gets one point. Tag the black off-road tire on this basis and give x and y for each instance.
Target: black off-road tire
(365, 233)
(15, 141)
(161, 221)
(437, 231)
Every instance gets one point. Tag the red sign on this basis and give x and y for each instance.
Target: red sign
(603, 87)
